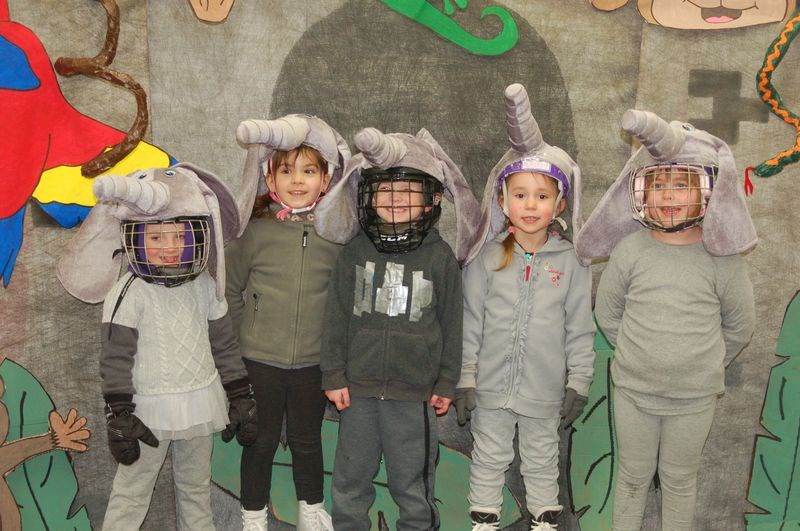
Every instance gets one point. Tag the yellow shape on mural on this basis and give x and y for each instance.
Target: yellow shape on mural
(66, 184)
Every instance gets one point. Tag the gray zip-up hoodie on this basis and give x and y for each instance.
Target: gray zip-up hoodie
(528, 328)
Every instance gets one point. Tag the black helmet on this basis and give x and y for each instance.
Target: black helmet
(406, 189)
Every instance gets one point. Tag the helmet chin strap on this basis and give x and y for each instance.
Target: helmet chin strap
(286, 209)
(680, 227)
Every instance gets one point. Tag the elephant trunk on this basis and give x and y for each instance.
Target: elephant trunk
(149, 197)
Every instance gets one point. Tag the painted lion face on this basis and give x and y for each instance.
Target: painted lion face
(713, 14)
(706, 14)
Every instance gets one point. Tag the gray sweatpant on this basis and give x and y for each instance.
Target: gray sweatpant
(191, 472)
(671, 443)
(406, 434)
(493, 452)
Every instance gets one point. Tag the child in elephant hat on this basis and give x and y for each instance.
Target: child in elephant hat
(676, 302)
(171, 369)
(277, 283)
(528, 355)
(391, 344)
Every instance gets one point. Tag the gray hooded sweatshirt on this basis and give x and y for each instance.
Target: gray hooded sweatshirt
(528, 328)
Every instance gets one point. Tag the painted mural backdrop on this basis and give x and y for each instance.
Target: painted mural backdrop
(396, 65)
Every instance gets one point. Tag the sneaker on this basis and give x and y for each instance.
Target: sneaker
(545, 521)
(254, 520)
(485, 521)
(313, 517)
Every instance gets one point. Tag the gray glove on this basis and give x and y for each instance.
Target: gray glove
(125, 430)
(572, 407)
(465, 403)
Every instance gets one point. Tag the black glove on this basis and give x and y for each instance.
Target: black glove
(242, 413)
(465, 403)
(125, 430)
(572, 407)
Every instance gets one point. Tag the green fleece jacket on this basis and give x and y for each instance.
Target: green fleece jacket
(393, 323)
(277, 281)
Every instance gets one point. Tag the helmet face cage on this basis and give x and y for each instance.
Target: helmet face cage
(167, 252)
(671, 197)
(397, 207)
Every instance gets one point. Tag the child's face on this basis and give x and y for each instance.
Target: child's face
(532, 202)
(672, 196)
(164, 243)
(298, 180)
(399, 201)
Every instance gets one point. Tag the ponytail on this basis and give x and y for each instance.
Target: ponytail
(508, 251)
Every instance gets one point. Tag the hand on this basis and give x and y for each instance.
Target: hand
(465, 403)
(440, 404)
(572, 407)
(243, 420)
(339, 397)
(125, 430)
(69, 432)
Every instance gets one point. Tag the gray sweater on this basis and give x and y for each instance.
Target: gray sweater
(676, 315)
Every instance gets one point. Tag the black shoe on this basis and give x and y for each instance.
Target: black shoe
(484, 521)
(548, 520)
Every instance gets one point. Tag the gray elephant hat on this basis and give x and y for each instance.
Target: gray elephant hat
(264, 137)
(337, 218)
(92, 262)
(528, 153)
(727, 226)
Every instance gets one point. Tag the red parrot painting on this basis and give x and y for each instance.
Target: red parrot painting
(44, 141)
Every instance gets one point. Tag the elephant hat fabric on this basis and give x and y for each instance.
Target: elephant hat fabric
(264, 137)
(528, 153)
(92, 262)
(337, 218)
(727, 226)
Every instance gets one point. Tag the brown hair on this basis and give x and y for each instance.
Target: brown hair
(263, 202)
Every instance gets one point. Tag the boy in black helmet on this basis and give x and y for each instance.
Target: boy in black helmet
(391, 352)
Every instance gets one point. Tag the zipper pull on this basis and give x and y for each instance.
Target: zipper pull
(305, 238)
(528, 258)
(255, 298)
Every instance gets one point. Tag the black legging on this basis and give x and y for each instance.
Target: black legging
(297, 392)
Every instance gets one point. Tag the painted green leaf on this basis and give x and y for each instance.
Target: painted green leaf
(592, 455)
(452, 483)
(44, 486)
(775, 478)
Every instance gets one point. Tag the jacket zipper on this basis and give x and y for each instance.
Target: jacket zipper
(303, 245)
(529, 258)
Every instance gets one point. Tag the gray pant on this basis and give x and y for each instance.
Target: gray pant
(493, 452)
(671, 443)
(406, 434)
(191, 471)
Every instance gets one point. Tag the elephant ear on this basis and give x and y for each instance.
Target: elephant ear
(231, 223)
(90, 266)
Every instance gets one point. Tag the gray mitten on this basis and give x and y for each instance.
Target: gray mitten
(125, 430)
(465, 403)
(572, 407)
